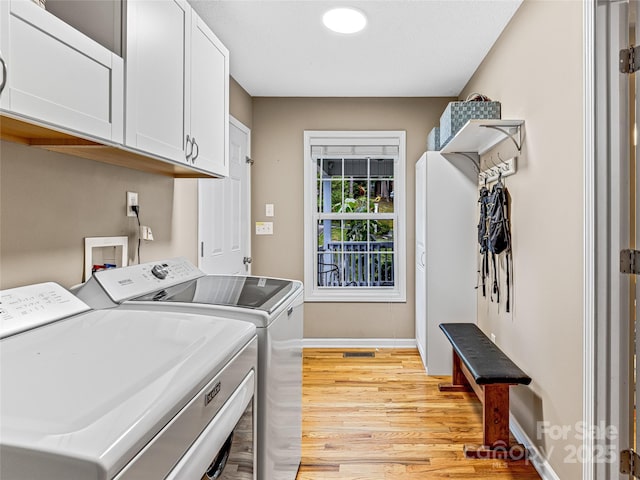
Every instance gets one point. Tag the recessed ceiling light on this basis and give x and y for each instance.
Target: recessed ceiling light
(344, 20)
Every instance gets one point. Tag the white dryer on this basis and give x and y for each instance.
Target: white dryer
(274, 306)
(119, 395)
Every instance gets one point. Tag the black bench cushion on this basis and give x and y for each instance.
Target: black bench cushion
(486, 362)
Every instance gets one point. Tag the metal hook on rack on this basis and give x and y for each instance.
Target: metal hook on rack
(494, 169)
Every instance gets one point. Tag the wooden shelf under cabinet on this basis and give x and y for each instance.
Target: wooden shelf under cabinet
(25, 133)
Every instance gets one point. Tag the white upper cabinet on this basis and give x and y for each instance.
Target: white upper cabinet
(57, 76)
(157, 101)
(157, 55)
(177, 77)
(209, 105)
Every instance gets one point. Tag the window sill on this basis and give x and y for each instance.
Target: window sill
(355, 296)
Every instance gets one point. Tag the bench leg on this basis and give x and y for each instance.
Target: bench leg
(495, 425)
(495, 414)
(459, 382)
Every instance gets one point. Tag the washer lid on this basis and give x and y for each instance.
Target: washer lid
(259, 293)
(85, 394)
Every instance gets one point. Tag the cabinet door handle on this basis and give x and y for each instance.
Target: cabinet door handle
(4, 75)
(190, 152)
(197, 149)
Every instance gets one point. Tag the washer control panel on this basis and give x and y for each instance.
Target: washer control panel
(30, 306)
(136, 280)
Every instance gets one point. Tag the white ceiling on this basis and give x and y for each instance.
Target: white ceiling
(409, 48)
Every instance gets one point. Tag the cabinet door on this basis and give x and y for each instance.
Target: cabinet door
(57, 75)
(451, 251)
(421, 275)
(157, 87)
(209, 99)
(421, 307)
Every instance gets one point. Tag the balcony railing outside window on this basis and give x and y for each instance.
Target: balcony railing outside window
(356, 264)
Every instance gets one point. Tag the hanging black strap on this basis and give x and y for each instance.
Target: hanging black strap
(496, 288)
(483, 235)
(508, 257)
(485, 271)
(508, 282)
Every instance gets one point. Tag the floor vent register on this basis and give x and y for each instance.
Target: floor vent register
(358, 354)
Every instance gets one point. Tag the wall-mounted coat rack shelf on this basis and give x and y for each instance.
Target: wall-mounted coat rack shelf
(477, 137)
(480, 136)
(494, 171)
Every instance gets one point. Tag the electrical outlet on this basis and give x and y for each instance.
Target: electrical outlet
(493, 337)
(132, 199)
(146, 233)
(268, 210)
(264, 228)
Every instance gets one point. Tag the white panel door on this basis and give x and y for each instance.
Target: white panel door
(223, 211)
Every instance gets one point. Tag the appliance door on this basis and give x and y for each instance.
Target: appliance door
(226, 449)
(259, 293)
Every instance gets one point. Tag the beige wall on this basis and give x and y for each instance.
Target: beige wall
(532, 73)
(277, 142)
(49, 202)
(240, 103)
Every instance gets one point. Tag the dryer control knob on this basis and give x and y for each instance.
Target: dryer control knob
(159, 271)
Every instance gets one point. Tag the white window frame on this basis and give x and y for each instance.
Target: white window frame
(313, 293)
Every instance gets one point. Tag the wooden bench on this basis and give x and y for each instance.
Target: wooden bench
(479, 365)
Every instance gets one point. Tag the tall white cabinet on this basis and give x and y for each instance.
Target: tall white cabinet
(446, 259)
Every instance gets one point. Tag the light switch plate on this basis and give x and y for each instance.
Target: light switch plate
(268, 209)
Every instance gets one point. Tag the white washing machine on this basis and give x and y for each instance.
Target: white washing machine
(120, 395)
(274, 306)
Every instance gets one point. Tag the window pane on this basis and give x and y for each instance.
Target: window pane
(358, 253)
(330, 233)
(356, 167)
(355, 185)
(356, 230)
(325, 195)
(356, 268)
(337, 190)
(382, 254)
(381, 230)
(328, 269)
(382, 195)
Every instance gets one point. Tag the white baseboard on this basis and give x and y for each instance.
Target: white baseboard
(359, 343)
(539, 462)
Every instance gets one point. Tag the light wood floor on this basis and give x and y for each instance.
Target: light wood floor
(383, 418)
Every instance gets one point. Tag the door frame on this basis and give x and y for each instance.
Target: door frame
(607, 333)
